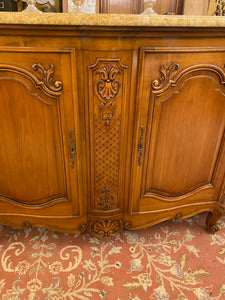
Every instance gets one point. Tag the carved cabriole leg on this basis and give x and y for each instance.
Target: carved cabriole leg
(213, 217)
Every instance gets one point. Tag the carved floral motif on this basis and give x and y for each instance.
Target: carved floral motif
(105, 228)
(48, 77)
(106, 200)
(164, 75)
(107, 147)
(107, 88)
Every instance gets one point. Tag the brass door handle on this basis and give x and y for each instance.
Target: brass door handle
(140, 146)
(72, 148)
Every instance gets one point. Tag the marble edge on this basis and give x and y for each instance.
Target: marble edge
(109, 20)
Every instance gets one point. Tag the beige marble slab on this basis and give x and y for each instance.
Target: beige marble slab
(110, 20)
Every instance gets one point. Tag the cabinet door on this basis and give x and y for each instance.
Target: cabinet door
(179, 158)
(39, 147)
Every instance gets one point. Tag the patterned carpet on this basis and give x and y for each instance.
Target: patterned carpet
(172, 260)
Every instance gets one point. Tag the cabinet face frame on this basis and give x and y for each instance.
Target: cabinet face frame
(165, 208)
(72, 206)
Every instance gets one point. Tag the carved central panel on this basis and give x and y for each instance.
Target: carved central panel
(107, 80)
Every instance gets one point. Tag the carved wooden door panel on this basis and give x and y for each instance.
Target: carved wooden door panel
(39, 149)
(179, 156)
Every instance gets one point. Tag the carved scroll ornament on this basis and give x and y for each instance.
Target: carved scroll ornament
(48, 83)
(166, 80)
(165, 73)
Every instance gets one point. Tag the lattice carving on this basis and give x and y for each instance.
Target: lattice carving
(105, 228)
(108, 80)
(107, 161)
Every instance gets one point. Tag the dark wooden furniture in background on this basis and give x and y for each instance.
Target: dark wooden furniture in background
(175, 7)
(121, 6)
(162, 7)
(5, 5)
(137, 140)
(137, 6)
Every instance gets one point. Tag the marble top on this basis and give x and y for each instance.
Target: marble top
(110, 20)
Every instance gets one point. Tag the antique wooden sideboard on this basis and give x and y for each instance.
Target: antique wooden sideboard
(111, 121)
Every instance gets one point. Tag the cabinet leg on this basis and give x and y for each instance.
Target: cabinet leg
(213, 217)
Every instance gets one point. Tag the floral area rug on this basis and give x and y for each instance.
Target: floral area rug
(172, 260)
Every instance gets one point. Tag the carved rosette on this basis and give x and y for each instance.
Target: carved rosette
(165, 73)
(48, 83)
(105, 228)
(107, 78)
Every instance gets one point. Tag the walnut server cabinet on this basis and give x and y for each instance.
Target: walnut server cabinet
(104, 128)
